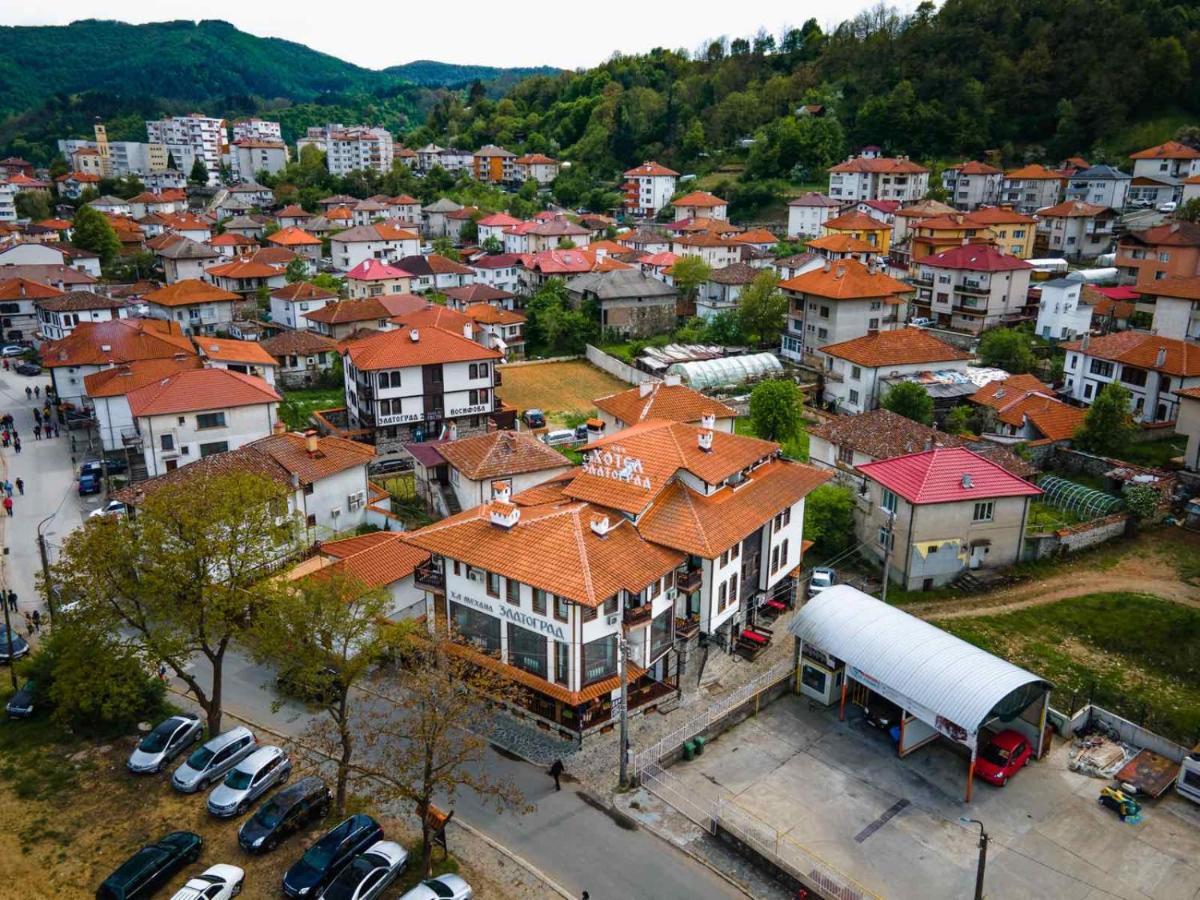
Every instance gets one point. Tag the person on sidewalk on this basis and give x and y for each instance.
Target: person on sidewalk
(7, 487)
(21, 486)
(16, 445)
(28, 392)
(8, 506)
(556, 770)
(12, 600)
(37, 620)
(28, 623)
(37, 432)
(36, 391)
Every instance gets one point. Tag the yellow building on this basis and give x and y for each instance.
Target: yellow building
(938, 233)
(1011, 231)
(862, 227)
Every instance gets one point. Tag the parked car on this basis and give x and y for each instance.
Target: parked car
(27, 368)
(295, 807)
(534, 418)
(88, 485)
(212, 760)
(20, 704)
(219, 882)
(821, 578)
(921, 322)
(13, 350)
(332, 852)
(581, 432)
(443, 887)
(558, 437)
(369, 874)
(14, 648)
(1169, 207)
(249, 780)
(151, 867)
(882, 714)
(1004, 754)
(321, 687)
(111, 508)
(165, 742)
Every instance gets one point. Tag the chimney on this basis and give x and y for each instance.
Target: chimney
(312, 444)
(502, 491)
(279, 427)
(600, 525)
(1161, 359)
(503, 515)
(673, 380)
(708, 421)
(468, 331)
(645, 388)
(704, 440)
(828, 265)
(414, 335)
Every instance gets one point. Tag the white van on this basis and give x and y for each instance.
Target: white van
(561, 436)
(1188, 783)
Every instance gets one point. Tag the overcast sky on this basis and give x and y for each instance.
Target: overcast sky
(376, 34)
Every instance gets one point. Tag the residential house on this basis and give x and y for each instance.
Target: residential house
(493, 165)
(714, 249)
(293, 216)
(1100, 185)
(940, 513)
(700, 204)
(720, 293)
(843, 443)
(246, 357)
(359, 149)
(106, 392)
(435, 272)
(854, 370)
(291, 303)
(499, 272)
(861, 227)
(371, 278)
(538, 268)
(645, 240)
(667, 400)
(498, 328)
(1151, 367)
(1031, 188)
(247, 276)
(231, 245)
(378, 561)
(58, 313)
(972, 287)
(1029, 411)
(630, 302)
(184, 259)
(411, 383)
(1065, 308)
(73, 184)
(190, 225)
(194, 413)
(1012, 232)
(1191, 189)
(111, 206)
(1176, 304)
(248, 157)
(433, 216)
(480, 466)
(878, 178)
(1188, 424)
(299, 242)
(338, 319)
(492, 227)
(797, 264)
(1074, 229)
(196, 307)
(535, 167)
(1171, 250)
(970, 185)
(476, 294)
(406, 210)
(1159, 173)
(648, 189)
(837, 302)
(20, 316)
(301, 357)
(937, 233)
(383, 241)
(555, 233)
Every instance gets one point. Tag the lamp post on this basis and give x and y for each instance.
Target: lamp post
(983, 845)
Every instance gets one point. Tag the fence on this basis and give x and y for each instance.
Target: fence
(616, 368)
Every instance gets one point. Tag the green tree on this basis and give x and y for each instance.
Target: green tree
(1142, 500)
(297, 270)
(775, 410)
(1187, 212)
(958, 420)
(1008, 349)
(688, 273)
(762, 309)
(58, 167)
(90, 230)
(443, 246)
(32, 205)
(493, 245)
(199, 174)
(183, 577)
(829, 519)
(909, 399)
(1107, 427)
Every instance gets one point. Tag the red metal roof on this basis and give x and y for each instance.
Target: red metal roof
(946, 475)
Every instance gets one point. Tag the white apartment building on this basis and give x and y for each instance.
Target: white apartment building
(1151, 367)
(1076, 230)
(384, 241)
(1063, 311)
(191, 137)
(249, 156)
(807, 214)
(256, 130)
(1031, 188)
(878, 178)
(1100, 186)
(8, 202)
(1171, 162)
(1176, 308)
(359, 148)
(973, 184)
(971, 287)
(195, 306)
(648, 188)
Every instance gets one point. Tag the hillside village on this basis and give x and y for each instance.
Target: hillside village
(912, 467)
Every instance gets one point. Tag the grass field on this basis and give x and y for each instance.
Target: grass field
(297, 406)
(562, 390)
(1136, 654)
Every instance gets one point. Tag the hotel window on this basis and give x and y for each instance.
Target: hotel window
(475, 627)
(784, 554)
(983, 512)
(735, 551)
(493, 584)
(599, 659)
(854, 398)
(561, 610)
(539, 599)
(589, 613)
(527, 650)
(1102, 368)
(775, 559)
(562, 662)
(733, 588)
(724, 559)
(210, 420)
(610, 605)
(661, 633)
(512, 591)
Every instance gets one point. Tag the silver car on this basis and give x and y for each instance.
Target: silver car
(164, 743)
(209, 762)
(249, 780)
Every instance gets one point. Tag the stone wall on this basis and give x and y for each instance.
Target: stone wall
(616, 368)
(1075, 538)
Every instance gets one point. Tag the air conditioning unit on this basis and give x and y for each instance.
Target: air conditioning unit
(611, 620)
(335, 512)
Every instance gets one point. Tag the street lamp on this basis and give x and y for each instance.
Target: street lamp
(983, 845)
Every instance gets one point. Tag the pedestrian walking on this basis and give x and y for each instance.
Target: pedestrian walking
(37, 415)
(8, 487)
(28, 623)
(8, 505)
(36, 391)
(28, 392)
(12, 600)
(4, 439)
(21, 486)
(17, 444)
(56, 431)
(37, 620)
(556, 770)
(37, 432)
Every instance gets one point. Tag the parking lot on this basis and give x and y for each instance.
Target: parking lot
(839, 791)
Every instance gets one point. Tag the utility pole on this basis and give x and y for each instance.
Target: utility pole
(887, 554)
(49, 585)
(982, 864)
(622, 662)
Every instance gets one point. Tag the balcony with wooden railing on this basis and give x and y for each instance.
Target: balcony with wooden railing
(688, 580)
(637, 615)
(430, 576)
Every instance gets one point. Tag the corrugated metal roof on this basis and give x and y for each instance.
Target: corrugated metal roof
(932, 667)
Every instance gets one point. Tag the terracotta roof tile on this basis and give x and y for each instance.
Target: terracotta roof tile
(229, 350)
(334, 454)
(1137, 348)
(302, 290)
(117, 341)
(998, 394)
(293, 237)
(701, 199)
(24, 288)
(904, 346)
(882, 165)
(1169, 150)
(116, 381)
(193, 390)
(342, 311)
(846, 279)
(375, 560)
(1072, 209)
(486, 314)
(188, 291)
(855, 221)
(397, 350)
(1033, 172)
(298, 343)
(650, 168)
(500, 453)
(477, 293)
(882, 434)
(669, 402)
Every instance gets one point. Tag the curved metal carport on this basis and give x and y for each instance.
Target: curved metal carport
(953, 687)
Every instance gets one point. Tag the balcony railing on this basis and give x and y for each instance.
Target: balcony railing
(968, 287)
(430, 576)
(637, 615)
(690, 580)
(831, 375)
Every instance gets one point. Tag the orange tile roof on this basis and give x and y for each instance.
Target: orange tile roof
(433, 315)
(375, 560)
(1072, 209)
(230, 239)
(709, 525)
(334, 454)
(841, 243)
(846, 279)
(229, 350)
(116, 341)
(1137, 348)
(976, 168)
(194, 390)
(1192, 393)
(1179, 288)
(650, 168)
(700, 199)
(117, 381)
(244, 268)
(1000, 215)
(924, 209)
(397, 350)
(757, 236)
(1057, 421)
(298, 343)
(23, 288)
(553, 548)
(1033, 172)
(881, 165)
(670, 402)
(486, 314)
(188, 291)
(998, 394)
(293, 237)
(855, 221)
(342, 311)
(902, 347)
(500, 453)
(302, 290)
(293, 211)
(1169, 150)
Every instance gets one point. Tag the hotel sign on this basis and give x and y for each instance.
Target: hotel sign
(469, 410)
(512, 614)
(612, 462)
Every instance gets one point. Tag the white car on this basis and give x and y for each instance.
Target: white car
(13, 350)
(218, 882)
(369, 874)
(443, 887)
(921, 322)
(164, 743)
(111, 508)
(1169, 207)
(821, 578)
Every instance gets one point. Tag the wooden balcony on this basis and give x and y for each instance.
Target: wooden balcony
(690, 580)
(637, 615)
(430, 577)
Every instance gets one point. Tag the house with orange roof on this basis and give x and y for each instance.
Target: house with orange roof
(106, 393)
(1176, 304)
(232, 245)
(1031, 188)
(906, 217)
(194, 413)
(383, 241)
(971, 287)
(700, 204)
(479, 466)
(338, 319)
(418, 382)
(862, 227)
(59, 313)
(380, 560)
(246, 276)
(666, 532)
(1153, 368)
(716, 250)
(499, 271)
(197, 307)
(189, 225)
(870, 177)
(1170, 250)
(1027, 409)
(945, 232)
(837, 302)
(20, 296)
(1074, 229)
(1012, 232)
(73, 184)
(648, 188)
(498, 328)
(246, 357)
(669, 400)
(1168, 165)
(301, 357)
(299, 242)
(535, 167)
(972, 184)
(853, 371)
(493, 226)
(293, 216)
(833, 247)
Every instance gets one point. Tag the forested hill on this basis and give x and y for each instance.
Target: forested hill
(1024, 77)
(431, 73)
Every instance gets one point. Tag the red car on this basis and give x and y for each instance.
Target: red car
(1005, 753)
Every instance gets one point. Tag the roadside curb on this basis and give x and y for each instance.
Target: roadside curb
(465, 826)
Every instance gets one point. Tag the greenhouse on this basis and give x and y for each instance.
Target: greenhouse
(729, 371)
(1076, 498)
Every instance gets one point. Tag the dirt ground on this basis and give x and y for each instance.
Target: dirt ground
(557, 387)
(65, 825)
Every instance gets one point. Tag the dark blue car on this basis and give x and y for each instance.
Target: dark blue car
(321, 863)
(19, 646)
(89, 484)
